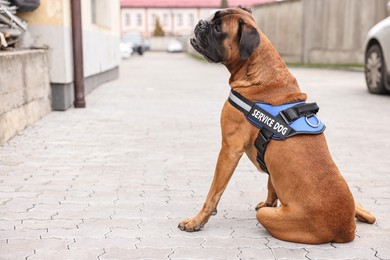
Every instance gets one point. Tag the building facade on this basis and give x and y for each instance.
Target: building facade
(174, 21)
(177, 18)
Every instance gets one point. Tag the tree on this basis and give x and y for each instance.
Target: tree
(224, 4)
(158, 31)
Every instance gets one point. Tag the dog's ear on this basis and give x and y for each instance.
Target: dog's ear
(248, 39)
(248, 9)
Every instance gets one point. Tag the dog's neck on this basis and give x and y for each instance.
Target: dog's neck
(265, 77)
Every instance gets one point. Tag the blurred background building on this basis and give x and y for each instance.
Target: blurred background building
(177, 17)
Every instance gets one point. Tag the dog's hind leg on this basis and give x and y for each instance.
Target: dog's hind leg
(364, 215)
(283, 224)
(287, 224)
(272, 198)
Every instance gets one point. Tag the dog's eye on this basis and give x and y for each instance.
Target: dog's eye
(217, 27)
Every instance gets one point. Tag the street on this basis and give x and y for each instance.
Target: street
(113, 180)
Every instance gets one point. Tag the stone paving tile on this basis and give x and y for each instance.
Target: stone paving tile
(341, 253)
(171, 242)
(56, 207)
(12, 254)
(383, 252)
(21, 233)
(43, 244)
(76, 233)
(66, 254)
(45, 224)
(375, 241)
(110, 223)
(161, 232)
(106, 243)
(205, 253)
(256, 253)
(236, 242)
(250, 232)
(27, 215)
(84, 214)
(9, 224)
(141, 253)
(17, 194)
(207, 231)
(289, 253)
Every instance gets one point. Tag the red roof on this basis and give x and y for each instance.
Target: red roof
(188, 3)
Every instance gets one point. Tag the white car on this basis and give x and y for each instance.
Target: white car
(377, 58)
(126, 50)
(175, 46)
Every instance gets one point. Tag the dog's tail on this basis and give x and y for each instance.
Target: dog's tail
(363, 215)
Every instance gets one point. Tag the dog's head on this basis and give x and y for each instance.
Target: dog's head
(231, 34)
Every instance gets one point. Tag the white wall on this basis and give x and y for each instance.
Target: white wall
(50, 26)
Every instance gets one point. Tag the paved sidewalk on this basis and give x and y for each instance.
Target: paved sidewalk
(113, 180)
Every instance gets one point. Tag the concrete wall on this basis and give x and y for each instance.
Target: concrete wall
(282, 24)
(50, 26)
(320, 31)
(24, 90)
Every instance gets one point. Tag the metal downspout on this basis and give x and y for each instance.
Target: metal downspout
(78, 63)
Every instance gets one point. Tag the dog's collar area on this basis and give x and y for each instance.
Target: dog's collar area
(277, 122)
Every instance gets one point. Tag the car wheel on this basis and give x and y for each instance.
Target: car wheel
(375, 70)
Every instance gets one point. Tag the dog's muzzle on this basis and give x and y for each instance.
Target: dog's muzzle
(199, 42)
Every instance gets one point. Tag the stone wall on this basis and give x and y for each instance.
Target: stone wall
(24, 90)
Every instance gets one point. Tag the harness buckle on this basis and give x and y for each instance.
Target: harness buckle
(310, 124)
(284, 117)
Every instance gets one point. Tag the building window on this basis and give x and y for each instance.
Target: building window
(101, 13)
(127, 19)
(154, 18)
(93, 11)
(191, 20)
(179, 19)
(165, 19)
(139, 19)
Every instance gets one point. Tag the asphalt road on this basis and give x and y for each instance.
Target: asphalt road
(113, 180)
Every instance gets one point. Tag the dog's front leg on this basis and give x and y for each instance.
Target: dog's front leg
(227, 161)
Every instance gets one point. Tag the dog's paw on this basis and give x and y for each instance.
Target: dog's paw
(189, 225)
(264, 204)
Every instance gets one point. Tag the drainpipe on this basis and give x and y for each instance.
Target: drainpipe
(77, 44)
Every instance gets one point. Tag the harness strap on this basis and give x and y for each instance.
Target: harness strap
(266, 133)
(240, 102)
(293, 113)
(261, 143)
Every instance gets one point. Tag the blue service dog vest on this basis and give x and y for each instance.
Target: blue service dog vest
(277, 122)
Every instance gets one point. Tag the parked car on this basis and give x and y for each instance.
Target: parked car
(175, 46)
(136, 40)
(126, 50)
(377, 58)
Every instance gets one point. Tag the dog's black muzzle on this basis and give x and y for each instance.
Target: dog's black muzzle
(206, 42)
(199, 42)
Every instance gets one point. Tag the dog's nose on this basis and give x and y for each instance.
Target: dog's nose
(201, 26)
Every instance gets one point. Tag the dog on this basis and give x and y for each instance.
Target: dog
(316, 205)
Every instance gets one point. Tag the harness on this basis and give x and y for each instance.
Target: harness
(277, 122)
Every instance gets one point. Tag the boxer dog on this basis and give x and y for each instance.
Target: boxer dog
(316, 205)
